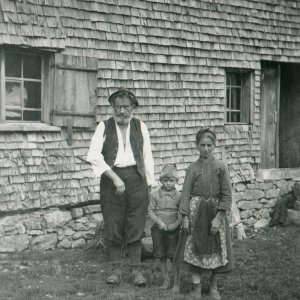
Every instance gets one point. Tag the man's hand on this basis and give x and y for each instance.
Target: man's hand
(186, 223)
(117, 181)
(161, 225)
(119, 184)
(172, 227)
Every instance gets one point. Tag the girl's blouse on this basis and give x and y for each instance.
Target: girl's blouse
(208, 178)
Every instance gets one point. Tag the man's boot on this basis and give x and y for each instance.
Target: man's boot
(115, 260)
(134, 253)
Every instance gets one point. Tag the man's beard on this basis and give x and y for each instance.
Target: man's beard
(122, 120)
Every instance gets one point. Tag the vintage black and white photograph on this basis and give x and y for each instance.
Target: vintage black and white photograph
(150, 149)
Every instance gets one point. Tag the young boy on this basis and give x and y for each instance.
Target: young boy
(163, 211)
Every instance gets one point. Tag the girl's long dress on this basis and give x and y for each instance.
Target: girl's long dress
(206, 190)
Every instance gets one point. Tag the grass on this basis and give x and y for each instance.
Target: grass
(267, 266)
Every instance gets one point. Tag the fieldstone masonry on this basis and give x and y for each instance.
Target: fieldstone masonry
(81, 227)
(257, 198)
(52, 228)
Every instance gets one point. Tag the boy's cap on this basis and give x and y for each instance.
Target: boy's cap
(168, 171)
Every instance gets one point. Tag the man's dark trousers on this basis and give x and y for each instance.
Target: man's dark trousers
(124, 215)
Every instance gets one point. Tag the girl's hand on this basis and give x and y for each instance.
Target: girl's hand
(186, 223)
(172, 227)
(162, 225)
(216, 224)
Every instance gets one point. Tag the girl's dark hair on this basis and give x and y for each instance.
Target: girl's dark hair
(205, 132)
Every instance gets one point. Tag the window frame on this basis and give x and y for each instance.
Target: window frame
(45, 66)
(246, 76)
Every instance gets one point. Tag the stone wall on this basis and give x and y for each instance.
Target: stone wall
(52, 228)
(82, 226)
(257, 199)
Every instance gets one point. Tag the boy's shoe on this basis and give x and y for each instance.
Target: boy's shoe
(195, 294)
(175, 289)
(214, 295)
(165, 285)
(114, 277)
(138, 279)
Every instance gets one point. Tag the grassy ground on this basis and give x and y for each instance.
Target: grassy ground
(267, 267)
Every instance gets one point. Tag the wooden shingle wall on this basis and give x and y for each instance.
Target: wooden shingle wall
(172, 54)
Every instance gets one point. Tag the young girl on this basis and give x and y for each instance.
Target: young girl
(205, 200)
(164, 212)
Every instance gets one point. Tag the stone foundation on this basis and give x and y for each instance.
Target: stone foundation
(81, 226)
(52, 228)
(256, 199)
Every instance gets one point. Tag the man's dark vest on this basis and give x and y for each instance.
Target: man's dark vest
(111, 143)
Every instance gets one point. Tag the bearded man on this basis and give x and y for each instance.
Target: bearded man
(120, 153)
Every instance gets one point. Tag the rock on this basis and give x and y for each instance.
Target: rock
(77, 212)
(92, 209)
(32, 222)
(286, 188)
(264, 185)
(68, 231)
(11, 225)
(240, 187)
(79, 227)
(261, 223)
(268, 202)
(244, 205)
(274, 193)
(57, 218)
(83, 234)
(250, 186)
(238, 196)
(251, 221)
(78, 243)
(98, 217)
(93, 224)
(293, 216)
(65, 244)
(83, 220)
(264, 213)
(35, 232)
(8, 221)
(253, 194)
(14, 243)
(44, 242)
(245, 214)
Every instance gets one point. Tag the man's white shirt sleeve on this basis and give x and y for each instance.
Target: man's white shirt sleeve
(95, 156)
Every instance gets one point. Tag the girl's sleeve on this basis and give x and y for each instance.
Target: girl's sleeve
(186, 192)
(226, 189)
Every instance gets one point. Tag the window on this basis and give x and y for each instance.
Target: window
(238, 96)
(22, 82)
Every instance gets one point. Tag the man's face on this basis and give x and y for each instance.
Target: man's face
(123, 110)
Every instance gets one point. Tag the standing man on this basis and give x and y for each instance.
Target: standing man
(120, 153)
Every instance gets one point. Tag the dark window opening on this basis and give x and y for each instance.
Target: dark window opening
(238, 97)
(23, 86)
